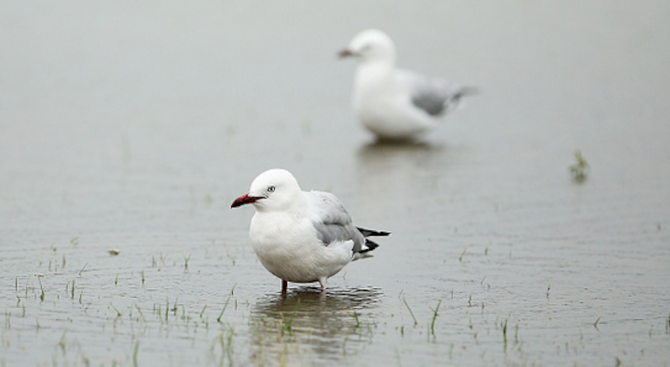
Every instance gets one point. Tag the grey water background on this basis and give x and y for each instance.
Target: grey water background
(133, 125)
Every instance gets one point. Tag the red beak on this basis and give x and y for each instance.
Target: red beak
(345, 53)
(244, 199)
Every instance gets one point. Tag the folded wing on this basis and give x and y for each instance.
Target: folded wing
(434, 96)
(333, 223)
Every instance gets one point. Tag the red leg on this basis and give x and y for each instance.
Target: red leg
(284, 285)
(322, 281)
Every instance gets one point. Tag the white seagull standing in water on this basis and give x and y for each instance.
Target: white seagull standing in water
(392, 103)
(302, 236)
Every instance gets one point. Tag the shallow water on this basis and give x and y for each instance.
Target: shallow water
(133, 127)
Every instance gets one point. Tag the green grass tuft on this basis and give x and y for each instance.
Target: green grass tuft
(580, 169)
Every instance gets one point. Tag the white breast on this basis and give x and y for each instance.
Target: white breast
(289, 248)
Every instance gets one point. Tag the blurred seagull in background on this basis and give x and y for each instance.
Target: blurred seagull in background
(392, 103)
(302, 236)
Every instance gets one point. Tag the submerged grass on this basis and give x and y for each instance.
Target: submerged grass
(355, 316)
(504, 332)
(8, 320)
(460, 258)
(516, 333)
(218, 319)
(135, 351)
(186, 259)
(286, 324)
(432, 323)
(62, 343)
(410, 311)
(118, 313)
(232, 291)
(226, 346)
(82, 269)
(41, 289)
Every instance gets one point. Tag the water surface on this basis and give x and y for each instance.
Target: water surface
(132, 127)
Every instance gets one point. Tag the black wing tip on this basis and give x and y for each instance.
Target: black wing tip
(370, 246)
(372, 232)
(468, 91)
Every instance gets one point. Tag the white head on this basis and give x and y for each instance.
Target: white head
(371, 45)
(274, 189)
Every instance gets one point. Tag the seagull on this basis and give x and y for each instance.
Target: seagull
(302, 236)
(392, 103)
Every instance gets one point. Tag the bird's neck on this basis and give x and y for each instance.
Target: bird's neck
(378, 63)
(375, 72)
(374, 80)
(294, 206)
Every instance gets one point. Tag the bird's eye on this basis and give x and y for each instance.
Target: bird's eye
(271, 189)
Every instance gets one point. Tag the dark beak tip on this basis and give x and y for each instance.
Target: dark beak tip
(239, 201)
(244, 199)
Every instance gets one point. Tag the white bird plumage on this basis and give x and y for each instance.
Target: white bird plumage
(302, 236)
(394, 103)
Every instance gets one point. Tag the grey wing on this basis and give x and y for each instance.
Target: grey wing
(331, 220)
(434, 96)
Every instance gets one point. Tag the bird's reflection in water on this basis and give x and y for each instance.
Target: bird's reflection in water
(382, 152)
(306, 326)
(399, 166)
